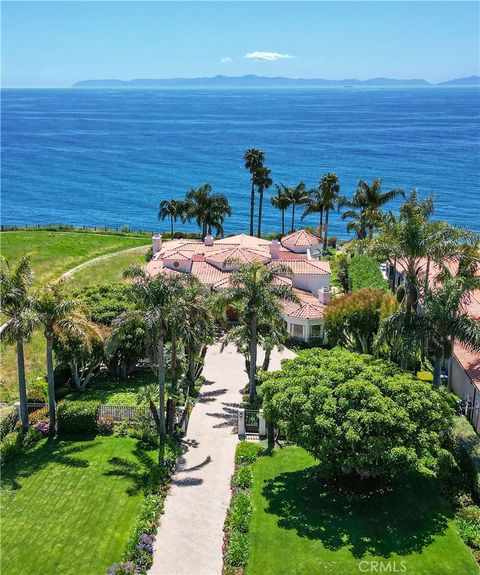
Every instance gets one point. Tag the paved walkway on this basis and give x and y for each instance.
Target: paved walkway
(76, 269)
(190, 536)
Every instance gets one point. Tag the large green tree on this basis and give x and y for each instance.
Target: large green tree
(281, 202)
(16, 307)
(297, 195)
(365, 207)
(257, 297)
(254, 159)
(172, 209)
(58, 314)
(330, 192)
(207, 209)
(357, 414)
(263, 181)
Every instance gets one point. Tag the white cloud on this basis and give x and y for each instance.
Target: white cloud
(267, 56)
(225, 60)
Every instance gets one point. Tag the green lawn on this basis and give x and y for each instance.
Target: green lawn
(69, 507)
(117, 392)
(53, 253)
(299, 526)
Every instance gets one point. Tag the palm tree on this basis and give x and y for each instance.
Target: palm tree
(315, 205)
(257, 297)
(263, 181)
(254, 159)
(367, 202)
(281, 202)
(330, 191)
(209, 210)
(172, 209)
(296, 196)
(445, 319)
(16, 306)
(157, 298)
(57, 312)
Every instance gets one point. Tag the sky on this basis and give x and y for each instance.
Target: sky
(59, 43)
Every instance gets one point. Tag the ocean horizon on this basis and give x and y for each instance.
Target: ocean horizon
(107, 157)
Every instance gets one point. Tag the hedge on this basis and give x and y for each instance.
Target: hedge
(467, 448)
(77, 416)
(364, 272)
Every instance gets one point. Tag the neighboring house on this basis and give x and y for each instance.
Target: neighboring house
(464, 365)
(212, 262)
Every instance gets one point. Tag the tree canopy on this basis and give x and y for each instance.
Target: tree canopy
(357, 414)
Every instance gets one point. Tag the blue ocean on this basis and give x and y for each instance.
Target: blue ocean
(108, 157)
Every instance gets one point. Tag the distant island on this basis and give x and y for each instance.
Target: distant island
(252, 80)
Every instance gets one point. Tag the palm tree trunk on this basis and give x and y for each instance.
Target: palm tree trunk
(270, 435)
(51, 384)
(253, 356)
(293, 217)
(252, 206)
(321, 220)
(266, 359)
(325, 238)
(171, 226)
(161, 402)
(283, 222)
(260, 207)
(22, 387)
(171, 403)
(437, 366)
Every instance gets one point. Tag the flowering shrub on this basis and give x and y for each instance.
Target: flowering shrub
(123, 569)
(105, 424)
(42, 427)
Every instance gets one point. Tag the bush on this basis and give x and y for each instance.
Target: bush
(247, 452)
(9, 418)
(467, 453)
(42, 427)
(77, 416)
(364, 272)
(105, 424)
(355, 412)
(244, 477)
(10, 447)
(468, 525)
(237, 554)
(103, 303)
(143, 428)
(240, 512)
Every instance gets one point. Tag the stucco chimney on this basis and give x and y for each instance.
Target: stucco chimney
(324, 295)
(156, 243)
(275, 249)
(208, 241)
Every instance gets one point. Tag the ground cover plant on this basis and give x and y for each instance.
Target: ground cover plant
(303, 524)
(69, 504)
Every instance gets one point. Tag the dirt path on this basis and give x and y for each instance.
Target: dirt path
(71, 271)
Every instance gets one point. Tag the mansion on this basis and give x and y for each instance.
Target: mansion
(212, 261)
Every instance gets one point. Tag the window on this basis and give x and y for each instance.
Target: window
(316, 331)
(297, 330)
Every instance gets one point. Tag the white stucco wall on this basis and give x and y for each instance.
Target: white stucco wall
(310, 282)
(463, 387)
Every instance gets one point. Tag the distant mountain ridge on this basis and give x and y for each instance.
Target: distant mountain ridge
(251, 80)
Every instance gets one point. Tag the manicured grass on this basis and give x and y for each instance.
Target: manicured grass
(117, 392)
(70, 505)
(53, 253)
(301, 526)
(109, 270)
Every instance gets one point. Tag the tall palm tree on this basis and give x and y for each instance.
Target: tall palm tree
(157, 298)
(281, 202)
(445, 319)
(16, 306)
(367, 202)
(330, 192)
(56, 312)
(297, 196)
(254, 159)
(263, 181)
(257, 297)
(315, 205)
(209, 210)
(172, 209)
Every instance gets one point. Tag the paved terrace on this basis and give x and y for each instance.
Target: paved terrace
(190, 536)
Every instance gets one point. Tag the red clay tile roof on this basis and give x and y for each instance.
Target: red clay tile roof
(304, 266)
(470, 361)
(301, 238)
(239, 254)
(308, 308)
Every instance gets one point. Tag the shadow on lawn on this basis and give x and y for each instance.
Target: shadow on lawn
(401, 519)
(54, 450)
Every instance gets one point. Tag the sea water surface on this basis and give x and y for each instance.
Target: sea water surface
(108, 157)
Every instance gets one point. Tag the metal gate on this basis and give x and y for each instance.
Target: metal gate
(251, 421)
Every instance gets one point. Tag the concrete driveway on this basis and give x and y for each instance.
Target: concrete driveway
(190, 536)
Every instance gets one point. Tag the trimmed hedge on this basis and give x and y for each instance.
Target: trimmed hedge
(467, 453)
(8, 419)
(364, 272)
(77, 416)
